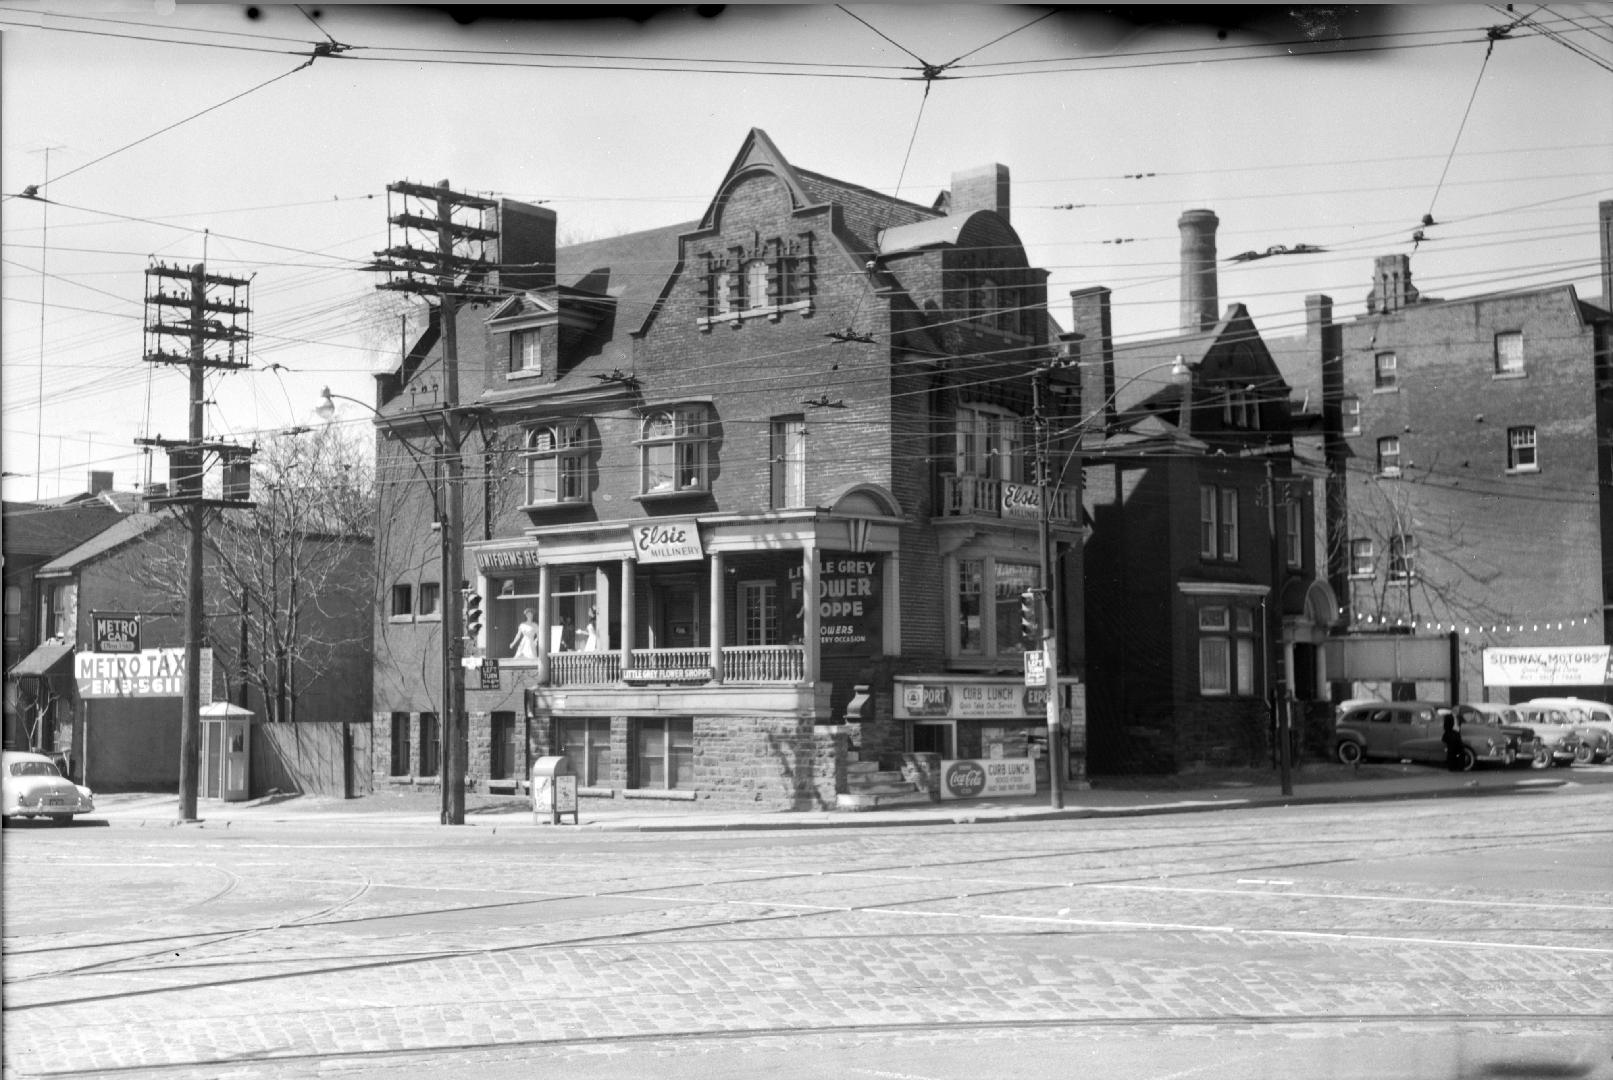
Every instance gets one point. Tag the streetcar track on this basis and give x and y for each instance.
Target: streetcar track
(272, 1059)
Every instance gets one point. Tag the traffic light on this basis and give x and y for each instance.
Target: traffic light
(1030, 625)
(473, 615)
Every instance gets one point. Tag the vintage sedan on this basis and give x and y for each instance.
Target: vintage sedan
(1592, 721)
(1528, 748)
(1414, 731)
(1552, 728)
(32, 786)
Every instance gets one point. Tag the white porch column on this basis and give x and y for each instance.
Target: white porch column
(809, 608)
(629, 631)
(543, 624)
(718, 620)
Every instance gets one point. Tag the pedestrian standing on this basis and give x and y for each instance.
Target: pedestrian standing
(1452, 738)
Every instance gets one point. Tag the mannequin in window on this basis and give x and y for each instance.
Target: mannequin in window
(588, 636)
(526, 637)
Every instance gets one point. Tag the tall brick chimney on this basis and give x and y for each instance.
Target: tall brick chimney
(1090, 317)
(1200, 295)
(984, 187)
(1605, 213)
(1391, 285)
(526, 244)
(100, 480)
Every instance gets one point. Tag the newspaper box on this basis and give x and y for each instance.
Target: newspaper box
(554, 790)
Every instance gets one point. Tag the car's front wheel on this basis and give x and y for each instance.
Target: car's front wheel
(1541, 760)
(1469, 759)
(1584, 755)
(1350, 753)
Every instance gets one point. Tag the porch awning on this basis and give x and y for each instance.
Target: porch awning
(42, 661)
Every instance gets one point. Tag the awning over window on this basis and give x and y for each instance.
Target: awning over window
(42, 661)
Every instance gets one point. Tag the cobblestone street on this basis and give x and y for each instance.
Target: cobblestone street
(1439, 938)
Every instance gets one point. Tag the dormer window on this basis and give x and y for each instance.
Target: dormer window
(674, 452)
(526, 353)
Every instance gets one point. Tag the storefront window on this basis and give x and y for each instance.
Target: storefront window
(664, 754)
(586, 741)
(1012, 625)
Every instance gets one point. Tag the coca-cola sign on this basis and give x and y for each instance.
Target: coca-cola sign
(963, 780)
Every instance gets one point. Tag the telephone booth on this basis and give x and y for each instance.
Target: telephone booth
(226, 752)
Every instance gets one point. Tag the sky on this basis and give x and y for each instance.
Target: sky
(214, 133)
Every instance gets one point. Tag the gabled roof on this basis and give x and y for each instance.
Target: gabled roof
(1142, 369)
(48, 528)
(125, 531)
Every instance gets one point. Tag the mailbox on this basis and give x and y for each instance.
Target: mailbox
(554, 790)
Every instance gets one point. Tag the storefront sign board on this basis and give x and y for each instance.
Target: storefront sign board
(1572, 665)
(675, 540)
(149, 673)
(979, 779)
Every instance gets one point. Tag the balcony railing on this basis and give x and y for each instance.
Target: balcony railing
(740, 664)
(981, 496)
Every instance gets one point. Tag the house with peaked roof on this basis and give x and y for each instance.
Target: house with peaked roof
(1205, 595)
(36, 662)
(752, 503)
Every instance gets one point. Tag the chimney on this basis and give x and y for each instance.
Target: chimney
(1089, 317)
(984, 187)
(100, 481)
(526, 242)
(1605, 208)
(1391, 285)
(1199, 295)
(1318, 314)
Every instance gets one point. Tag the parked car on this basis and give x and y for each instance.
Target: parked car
(32, 786)
(1551, 727)
(1414, 730)
(1527, 747)
(1591, 720)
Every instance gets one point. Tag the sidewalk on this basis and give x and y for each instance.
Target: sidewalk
(1106, 798)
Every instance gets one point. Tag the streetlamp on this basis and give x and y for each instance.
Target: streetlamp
(453, 735)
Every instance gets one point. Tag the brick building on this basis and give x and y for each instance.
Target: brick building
(1205, 595)
(815, 391)
(1472, 485)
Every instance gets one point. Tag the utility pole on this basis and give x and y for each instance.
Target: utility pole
(193, 315)
(1040, 385)
(443, 272)
(1281, 708)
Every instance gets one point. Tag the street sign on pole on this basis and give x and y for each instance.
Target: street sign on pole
(1036, 668)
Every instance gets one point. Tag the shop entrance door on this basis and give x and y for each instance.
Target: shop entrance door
(675, 622)
(935, 737)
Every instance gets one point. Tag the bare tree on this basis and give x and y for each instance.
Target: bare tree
(299, 566)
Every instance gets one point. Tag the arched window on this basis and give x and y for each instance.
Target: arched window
(674, 452)
(557, 463)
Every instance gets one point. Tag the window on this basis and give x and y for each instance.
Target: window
(1389, 455)
(402, 601)
(430, 602)
(1012, 625)
(1522, 450)
(13, 614)
(504, 748)
(557, 463)
(675, 450)
(1226, 651)
(1509, 353)
(61, 619)
(430, 749)
(1238, 408)
(1402, 550)
(526, 353)
(1362, 558)
(1218, 522)
(990, 444)
(573, 612)
(1350, 415)
(787, 457)
(1229, 525)
(665, 754)
(758, 613)
(399, 765)
(723, 282)
(586, 741)
(756, 283)
(1385, 371)
(1294, 512)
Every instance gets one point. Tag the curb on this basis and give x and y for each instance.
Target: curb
(847, 820)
